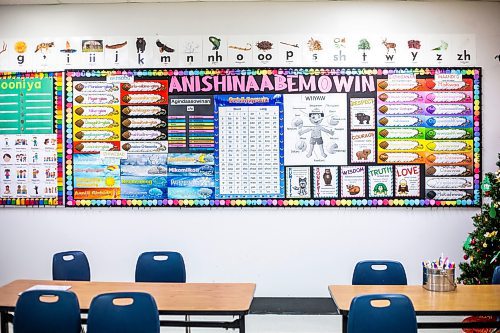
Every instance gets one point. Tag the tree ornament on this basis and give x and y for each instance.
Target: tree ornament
(466, 257)
(485, 245)
(493, 211)
(473, 242)
(486, 186)
(467, 244)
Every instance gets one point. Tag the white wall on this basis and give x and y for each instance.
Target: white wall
(287, 252)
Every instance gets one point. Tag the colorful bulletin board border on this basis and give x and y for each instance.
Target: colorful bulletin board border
(57, 78)
(473, 200)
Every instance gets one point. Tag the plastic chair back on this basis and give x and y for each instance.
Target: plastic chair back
(70, 266)
(496, 276)
(397, 316)
(108, 314)
(379, 272)
(47, 311)
(160, 266)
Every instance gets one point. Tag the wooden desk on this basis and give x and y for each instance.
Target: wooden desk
(208, 299)
(466, 300)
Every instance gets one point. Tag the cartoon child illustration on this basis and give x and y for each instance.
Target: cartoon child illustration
(18, 189)
(35, 141)
(403, 187)
(7, 189)
(316, 116)
(24, 190)
(7, 158)
(36, 189)
(7, 174)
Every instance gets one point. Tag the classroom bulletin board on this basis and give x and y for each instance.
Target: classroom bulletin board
(317, 137)
(31, 172)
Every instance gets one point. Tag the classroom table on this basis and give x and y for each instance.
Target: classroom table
(466, 300)
(206, 299)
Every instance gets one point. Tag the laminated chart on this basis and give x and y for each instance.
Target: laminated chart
(249, 151)
(31, 139)
(290, 137)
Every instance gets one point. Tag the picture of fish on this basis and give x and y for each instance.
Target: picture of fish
(215, 42)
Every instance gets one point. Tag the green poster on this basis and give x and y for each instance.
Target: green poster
(26, 106)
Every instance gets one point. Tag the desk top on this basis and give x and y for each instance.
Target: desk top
(466, 299)
(171, 298)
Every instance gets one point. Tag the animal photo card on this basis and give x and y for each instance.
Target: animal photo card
(362, 113)
(326, 182)
(298, 182)
(380, 181)
(363, 147)
(407, 180)
(352, 180)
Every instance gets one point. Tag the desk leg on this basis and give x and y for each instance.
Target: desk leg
(242, 324)
(344, 323)
(4, 322)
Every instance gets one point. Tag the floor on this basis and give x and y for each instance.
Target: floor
(295, 324)
(289, 324)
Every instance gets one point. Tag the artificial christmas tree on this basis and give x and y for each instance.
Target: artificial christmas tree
(482, 247)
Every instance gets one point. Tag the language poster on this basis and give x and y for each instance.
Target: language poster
(30, 139)
(248, 152)
(316, 129)
(326, 182)
(380, 181)
(270, 137)
(352, 180)
(298, 182)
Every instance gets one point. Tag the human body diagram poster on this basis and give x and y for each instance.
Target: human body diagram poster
(273, 137)
(31, 139)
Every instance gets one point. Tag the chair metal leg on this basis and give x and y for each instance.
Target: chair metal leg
(188, 329)
(4, 322)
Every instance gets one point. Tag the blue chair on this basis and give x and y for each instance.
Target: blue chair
(496, 276)
(70, 266)
(59, 312)
(138, 315)
(368, 272)
(398, 316)
(160, 266)
(163, 267)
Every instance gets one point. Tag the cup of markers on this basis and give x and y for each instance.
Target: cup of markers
(439, 275)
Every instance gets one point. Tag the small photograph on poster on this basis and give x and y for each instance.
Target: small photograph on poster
(362, 113)
(6, 141)
(116, 51)
(8, 156)
(298, 182)
(363, 147)
(7, 173)
(407, 181)
(352, 180)
(326, 183)
(380, 181)
(6, 190)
